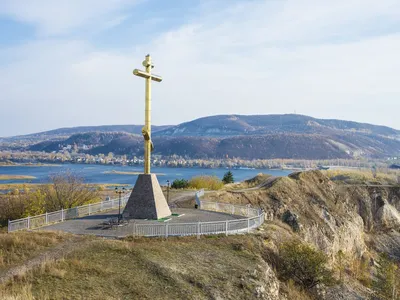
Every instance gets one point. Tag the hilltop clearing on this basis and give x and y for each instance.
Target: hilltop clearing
(351, 223)
(210, 268)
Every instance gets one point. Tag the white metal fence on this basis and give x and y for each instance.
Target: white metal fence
(65, 214)
(255, 217)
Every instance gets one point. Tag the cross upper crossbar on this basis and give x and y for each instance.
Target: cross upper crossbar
(146, 75)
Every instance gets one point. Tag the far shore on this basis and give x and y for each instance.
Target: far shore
(28, 165)
(129, 173)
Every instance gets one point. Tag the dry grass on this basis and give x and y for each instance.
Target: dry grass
(17, 186)
(177, 268)
(294, 292)
(206, 182)
(252, 182)
(19, 246)
(362, 176)
(25, 293)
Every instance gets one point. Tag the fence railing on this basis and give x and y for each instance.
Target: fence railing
(65, 214)
(255, 217)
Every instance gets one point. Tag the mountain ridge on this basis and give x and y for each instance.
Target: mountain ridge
(165, 129)
(250, 137)
(224, 125)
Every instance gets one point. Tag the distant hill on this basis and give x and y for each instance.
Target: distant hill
(228, 125)
(249, 137)
(92, 139)
(66, 132)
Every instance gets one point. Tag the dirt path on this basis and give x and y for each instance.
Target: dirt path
(183, 196)
(52, 254)
(264, 184)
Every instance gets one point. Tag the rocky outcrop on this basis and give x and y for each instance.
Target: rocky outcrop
(267, 285)
(388, 216)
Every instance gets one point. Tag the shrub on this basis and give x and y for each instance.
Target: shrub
(11, 208)
(304, 265)
(387, 281)
(66, 190)
(228, 178)
(180, 184)
(206, 182)
(361, 270)
(340, 263)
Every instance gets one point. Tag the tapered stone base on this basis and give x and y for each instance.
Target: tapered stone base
(147, 200)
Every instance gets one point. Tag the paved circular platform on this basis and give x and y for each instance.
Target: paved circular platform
(93, 224)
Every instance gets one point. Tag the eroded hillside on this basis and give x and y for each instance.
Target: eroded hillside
(332, 215)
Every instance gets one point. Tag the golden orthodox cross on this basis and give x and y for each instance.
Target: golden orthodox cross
(146, 130)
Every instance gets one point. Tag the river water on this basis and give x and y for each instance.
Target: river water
(107, 173)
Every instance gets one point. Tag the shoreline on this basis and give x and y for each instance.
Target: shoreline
(129, 173)
(30, 165)
(16, 177)
(141, 166)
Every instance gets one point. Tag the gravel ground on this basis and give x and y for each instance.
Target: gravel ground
(92, 224)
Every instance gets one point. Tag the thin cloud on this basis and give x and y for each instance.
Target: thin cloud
(324, 59)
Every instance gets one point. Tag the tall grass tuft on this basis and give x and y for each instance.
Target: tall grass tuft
(206, 182)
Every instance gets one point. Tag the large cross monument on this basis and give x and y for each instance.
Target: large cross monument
(147, 200)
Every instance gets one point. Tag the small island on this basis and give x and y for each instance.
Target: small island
(15, 177)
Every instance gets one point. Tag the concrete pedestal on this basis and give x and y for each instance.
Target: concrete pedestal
(147, 200)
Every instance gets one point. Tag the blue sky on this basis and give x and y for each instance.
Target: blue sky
(69, 63)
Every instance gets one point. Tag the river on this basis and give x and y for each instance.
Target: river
(108, 173)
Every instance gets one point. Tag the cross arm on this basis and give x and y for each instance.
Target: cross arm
(146, 75)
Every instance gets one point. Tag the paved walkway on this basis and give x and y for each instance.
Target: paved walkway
(92, 224)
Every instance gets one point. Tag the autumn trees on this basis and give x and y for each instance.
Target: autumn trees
(65, 190)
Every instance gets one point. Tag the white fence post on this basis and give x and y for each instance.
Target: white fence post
(226, 228)
(62, 214)
(166, 230)
(8, 227)
(248, 225)
(198, 230)
(47, 218)
(89, 210)
(29, 222)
